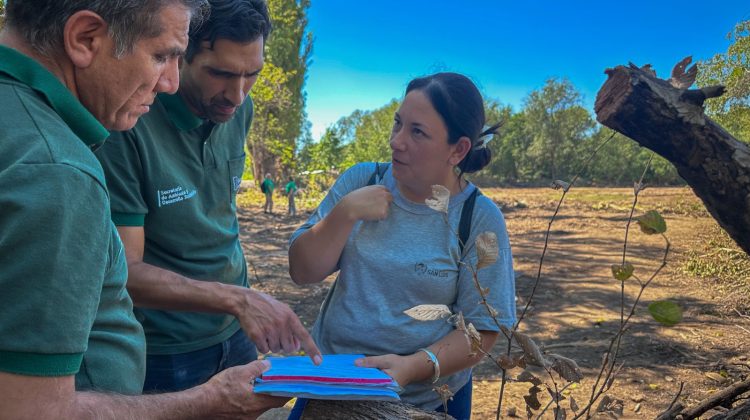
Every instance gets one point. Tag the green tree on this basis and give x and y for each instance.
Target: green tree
(502, 167)
(731, 69)
(372, 135)
(278, 94)
(621, 162)
(558, 124)
(329, 153)
(266, 141)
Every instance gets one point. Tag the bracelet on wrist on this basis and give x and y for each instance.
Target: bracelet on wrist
(435, 364)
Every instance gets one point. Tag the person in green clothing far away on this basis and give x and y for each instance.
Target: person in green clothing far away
(267, 187)
(291, 191)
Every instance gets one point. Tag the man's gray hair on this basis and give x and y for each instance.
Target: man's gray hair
(42, 22)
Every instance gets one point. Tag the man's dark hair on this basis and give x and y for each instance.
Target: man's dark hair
(41, 22)
(239, 21)
(458, 101)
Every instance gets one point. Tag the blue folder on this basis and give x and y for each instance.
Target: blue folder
(337, 378)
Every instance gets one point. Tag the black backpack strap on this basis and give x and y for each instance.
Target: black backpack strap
(467, 211)
(380, 169)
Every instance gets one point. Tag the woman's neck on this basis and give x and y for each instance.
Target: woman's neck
(419, 193)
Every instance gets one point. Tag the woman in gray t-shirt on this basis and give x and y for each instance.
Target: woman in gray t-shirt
(393, 252)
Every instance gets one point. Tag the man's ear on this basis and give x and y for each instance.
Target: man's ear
(461, 148)
(84, 36)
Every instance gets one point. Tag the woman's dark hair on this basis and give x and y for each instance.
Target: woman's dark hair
(461, 107)
(234, 20)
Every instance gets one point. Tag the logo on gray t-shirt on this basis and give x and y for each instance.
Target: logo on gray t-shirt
(422, 269)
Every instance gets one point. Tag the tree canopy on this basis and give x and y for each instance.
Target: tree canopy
(731, 69)
(278, 95)
(548, 139)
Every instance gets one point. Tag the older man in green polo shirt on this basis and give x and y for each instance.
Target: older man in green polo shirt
(173, 180)
(71, 347)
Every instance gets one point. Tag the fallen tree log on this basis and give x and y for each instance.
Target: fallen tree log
(367, 410)
(741, 412)
(726, 395)
(671, 122)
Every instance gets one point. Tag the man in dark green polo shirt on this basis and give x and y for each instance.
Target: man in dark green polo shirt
(173, 181)
(71, 346)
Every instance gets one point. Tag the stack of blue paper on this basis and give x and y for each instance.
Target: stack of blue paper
(337, 378)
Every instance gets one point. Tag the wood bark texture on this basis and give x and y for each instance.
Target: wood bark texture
(671, 122)
(367, 410)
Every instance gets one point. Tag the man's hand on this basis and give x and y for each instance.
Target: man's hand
(228, 395)
(273, 326)
(233, 390)
(369, 203)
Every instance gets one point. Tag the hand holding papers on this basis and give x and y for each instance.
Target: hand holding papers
(337, 378)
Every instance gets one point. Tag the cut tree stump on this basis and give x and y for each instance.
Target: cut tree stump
(367, 410)
(671, 122)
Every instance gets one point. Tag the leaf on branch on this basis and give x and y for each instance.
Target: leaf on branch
(506, 362)
(475, 339)
(486, 249)
(610, 405)
(560, 413)
(439, 200)
(682, 78)
(567, 368)
(665, 312)
(652, 223)
(532, 400)
(529, 377)
(573, 405)
(445, 393)
(558, 184)
(458, 321)
(493, 311)
(555, 395)
(622, 272)
(532, 353)
(428, 312)
(638, 187)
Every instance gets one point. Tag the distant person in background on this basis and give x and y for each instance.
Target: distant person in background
(173, 181)
(291, 191)
(393, 252)
(267, 187)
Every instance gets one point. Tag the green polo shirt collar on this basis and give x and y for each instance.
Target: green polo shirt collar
(39, 79)
(179, 113)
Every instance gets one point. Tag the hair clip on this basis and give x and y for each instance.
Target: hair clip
(482, 141)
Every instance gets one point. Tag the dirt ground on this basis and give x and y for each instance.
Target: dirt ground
(576, 308)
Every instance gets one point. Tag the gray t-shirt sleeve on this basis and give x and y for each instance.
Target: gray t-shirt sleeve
(498, 277)
(353, 178)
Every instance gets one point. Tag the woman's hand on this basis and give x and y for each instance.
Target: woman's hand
(403, 369)
(368, 203)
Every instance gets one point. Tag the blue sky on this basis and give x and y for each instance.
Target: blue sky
(365, 52)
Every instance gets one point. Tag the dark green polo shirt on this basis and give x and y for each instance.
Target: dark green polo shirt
(177, 176)
(65, 309)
